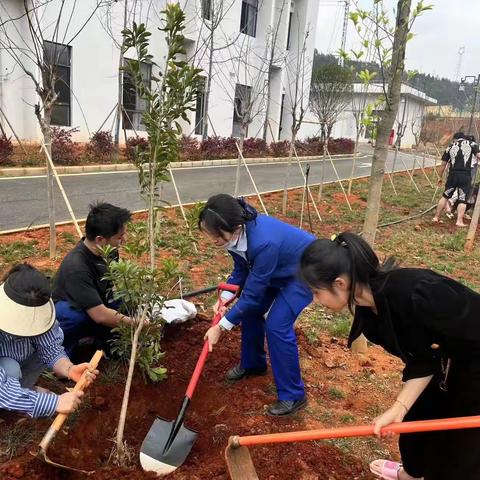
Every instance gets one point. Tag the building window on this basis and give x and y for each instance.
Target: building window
(241, 103)
(207, 9)
(248, 18)
(133, 105)
(280, 123)
(59, 57)
(200, 109)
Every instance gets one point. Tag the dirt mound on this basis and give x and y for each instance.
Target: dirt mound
(219, 409)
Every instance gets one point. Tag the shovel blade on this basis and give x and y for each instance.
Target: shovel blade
(239, 463)
(152, 455)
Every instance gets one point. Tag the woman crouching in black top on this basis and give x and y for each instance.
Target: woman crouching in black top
(433, 324)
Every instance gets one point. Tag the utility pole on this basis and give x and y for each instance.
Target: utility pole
(476, 85)
(345, 28)
(461, 51)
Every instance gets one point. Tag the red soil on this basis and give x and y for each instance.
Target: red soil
(218, 410)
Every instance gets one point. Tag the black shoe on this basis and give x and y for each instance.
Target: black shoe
(237, 372)
(286, 407)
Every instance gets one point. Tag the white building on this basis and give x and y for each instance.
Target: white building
(88, 66)
(409, 116)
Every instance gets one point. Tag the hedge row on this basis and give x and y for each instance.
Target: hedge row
(101, 149)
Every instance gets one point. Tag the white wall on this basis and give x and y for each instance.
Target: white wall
(95, 58)
(345, 125)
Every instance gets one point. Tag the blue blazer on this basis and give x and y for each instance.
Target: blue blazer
(274, 249)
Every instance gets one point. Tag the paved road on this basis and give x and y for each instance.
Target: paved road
(24, 200)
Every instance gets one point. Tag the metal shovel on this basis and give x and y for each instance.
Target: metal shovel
(239, 461)
(168, 443)
(60, 420)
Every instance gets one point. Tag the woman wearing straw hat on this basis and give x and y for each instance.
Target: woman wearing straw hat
(30, 340)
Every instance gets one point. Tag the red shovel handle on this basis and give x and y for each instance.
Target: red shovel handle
(361, 431)
(203, 356)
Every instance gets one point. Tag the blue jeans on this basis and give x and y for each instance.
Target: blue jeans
(77, 325)
(26, 371)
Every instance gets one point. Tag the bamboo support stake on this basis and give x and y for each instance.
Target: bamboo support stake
(339, 181)
(409, 174)
(60, 186)
(424, 172)
(472, 229)
(308, 186)
(303, 200)
(177, 193)
(251, 178)
(13, 131)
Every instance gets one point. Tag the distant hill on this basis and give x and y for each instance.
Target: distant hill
(445, 91)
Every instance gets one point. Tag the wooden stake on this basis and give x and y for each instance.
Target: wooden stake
(251, 178)
(60, 186)
(308, 186)
(472, 229)
(339, 181)
(177, 193)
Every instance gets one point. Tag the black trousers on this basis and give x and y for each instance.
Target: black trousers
(454, 454)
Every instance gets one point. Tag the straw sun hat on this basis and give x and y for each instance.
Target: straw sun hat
(26, 308)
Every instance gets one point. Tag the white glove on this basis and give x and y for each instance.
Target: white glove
(178, 311)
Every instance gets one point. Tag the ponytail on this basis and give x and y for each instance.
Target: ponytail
(345, 254)
(224, 213)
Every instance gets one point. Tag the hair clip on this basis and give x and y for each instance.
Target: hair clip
(335, 238)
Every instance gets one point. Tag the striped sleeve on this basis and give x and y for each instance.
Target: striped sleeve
(49, 346)
(14, 397)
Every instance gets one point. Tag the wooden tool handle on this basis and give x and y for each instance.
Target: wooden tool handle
(61, 417)
(360, 431)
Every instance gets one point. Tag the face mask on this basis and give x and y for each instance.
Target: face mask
(232, 242)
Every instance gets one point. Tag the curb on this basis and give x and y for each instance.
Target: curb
(127, 167)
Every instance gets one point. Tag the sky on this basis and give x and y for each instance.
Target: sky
(439, 34)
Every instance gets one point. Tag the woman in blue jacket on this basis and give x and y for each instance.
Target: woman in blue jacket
(266, 254)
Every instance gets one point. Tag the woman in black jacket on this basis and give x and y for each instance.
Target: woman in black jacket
(433, 324)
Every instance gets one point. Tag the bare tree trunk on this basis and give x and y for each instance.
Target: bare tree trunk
(324, 159)
(239, 162)
(47, 138)
(267, 108)
(120, 445)
(208, 89)
(151, 212)
(386, 122)
(118, 120)
(355, 153)
(287, 173)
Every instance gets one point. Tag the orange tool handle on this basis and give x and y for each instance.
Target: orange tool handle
(203, 356)
(360, 431)
(80, 385)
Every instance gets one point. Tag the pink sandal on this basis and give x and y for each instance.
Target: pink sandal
(387, 471)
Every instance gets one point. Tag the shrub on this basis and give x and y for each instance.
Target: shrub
(254, 147)
(338, 146)
(314, 146)
(64, 149)
(134, 146)
(280, 149)
(218, 147)
(101, 148)
(34, 157)
(189, 149)
(6, 150)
